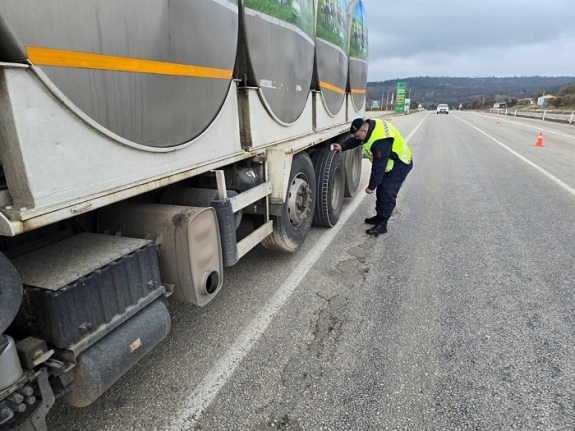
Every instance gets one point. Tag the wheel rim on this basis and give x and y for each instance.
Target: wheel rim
(299, 201)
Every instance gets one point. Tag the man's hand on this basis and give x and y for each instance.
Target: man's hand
(336, 147)
(368, 191)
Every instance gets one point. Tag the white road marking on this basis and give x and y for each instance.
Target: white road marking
(526, 160)
(216, 378)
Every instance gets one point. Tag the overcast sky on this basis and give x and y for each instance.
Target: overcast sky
(470, 38)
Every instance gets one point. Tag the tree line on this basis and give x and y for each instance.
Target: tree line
(476, 93)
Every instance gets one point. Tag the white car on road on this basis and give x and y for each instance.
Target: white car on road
(443, 108)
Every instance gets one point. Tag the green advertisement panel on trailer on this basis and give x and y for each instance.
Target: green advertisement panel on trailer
(358, 44)
(331, 52)
(299, 13)
(332, 22)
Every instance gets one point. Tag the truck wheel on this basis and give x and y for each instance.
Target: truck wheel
(352, 171)
(292, 227)
(330, 178)
(10, 293)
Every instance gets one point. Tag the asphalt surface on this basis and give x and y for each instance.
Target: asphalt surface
(460, 318)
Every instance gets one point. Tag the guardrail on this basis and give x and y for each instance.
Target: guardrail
(545, 115)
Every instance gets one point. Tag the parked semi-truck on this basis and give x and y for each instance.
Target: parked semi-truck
(145, 145)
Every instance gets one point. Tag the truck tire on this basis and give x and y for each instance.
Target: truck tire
(292, 227)
(330, 183)
(10, 293)
(352, 171)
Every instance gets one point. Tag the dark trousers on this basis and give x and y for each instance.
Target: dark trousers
(387, 191)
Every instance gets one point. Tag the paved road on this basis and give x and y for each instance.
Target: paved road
(460, 318)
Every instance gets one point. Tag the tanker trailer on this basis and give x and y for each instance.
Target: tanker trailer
(133, 138)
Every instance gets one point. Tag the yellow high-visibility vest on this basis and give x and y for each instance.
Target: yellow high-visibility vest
(383, 130)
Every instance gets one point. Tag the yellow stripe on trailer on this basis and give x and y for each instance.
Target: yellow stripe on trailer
(84, 60)
(333, 88)
(357, 91)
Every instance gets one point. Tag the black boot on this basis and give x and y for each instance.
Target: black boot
(374, 220)
(378, 229)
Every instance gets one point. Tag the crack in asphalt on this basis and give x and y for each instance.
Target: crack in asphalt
(302, 374)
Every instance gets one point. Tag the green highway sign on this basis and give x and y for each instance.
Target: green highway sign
(400, 97)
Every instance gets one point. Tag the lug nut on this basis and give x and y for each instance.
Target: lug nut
(27, 391)
(19, 408)
(16, 398)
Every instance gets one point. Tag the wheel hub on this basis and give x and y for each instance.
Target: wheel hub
(299, 201)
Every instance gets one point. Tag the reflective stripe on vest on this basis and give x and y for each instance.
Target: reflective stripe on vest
(383, 130)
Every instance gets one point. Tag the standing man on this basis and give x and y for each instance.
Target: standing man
(391, 162)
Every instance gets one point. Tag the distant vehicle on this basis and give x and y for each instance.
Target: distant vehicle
(443, 108)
